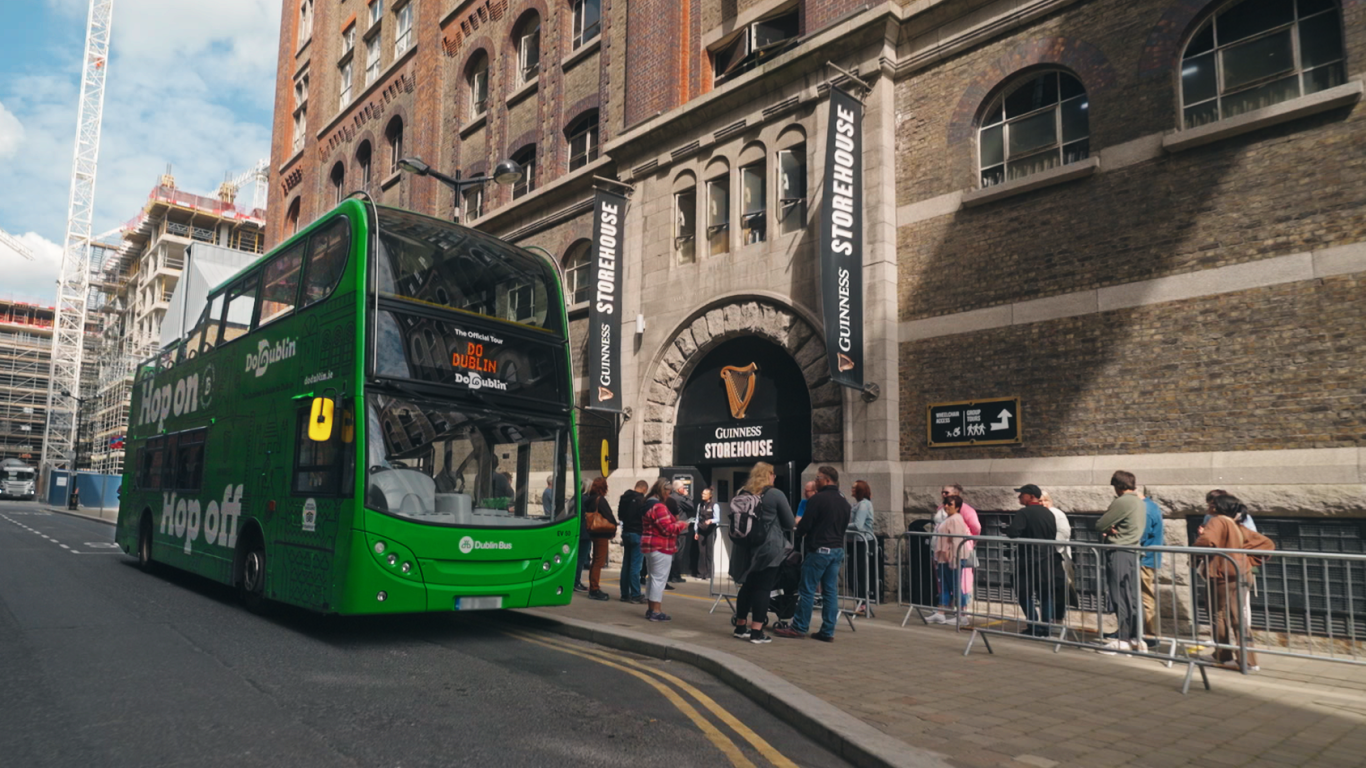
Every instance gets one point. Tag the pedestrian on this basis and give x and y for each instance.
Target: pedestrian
(1037, 567)
(597, 502)
(548, 496)
(969, 514)
(682, 508)
(756, 568)
(821, 535)
(1228, 578)
(1154, 535)
(808, 490)
(630, 509)
(1122, 525)
(659, 542)
(1245, 519)
(1064, 534)
(860, 546)
(708, 520)
(953, 561)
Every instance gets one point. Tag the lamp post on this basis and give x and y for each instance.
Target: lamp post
(80, 401)
(507, 173)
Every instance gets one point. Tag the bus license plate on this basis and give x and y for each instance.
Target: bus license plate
(478, 603)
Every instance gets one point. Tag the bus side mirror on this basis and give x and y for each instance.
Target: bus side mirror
(320, 420)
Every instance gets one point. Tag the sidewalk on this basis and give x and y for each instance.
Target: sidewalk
(1027, 706)
(103, 514)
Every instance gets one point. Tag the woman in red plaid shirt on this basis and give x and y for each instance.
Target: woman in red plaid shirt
(659, 542)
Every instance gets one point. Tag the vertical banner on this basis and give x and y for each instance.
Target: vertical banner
(842, 240)
(603, 362)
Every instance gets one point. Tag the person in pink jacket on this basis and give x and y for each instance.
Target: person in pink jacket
(969, 514)
(952, 558)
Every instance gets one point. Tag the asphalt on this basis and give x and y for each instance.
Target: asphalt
(102, 665)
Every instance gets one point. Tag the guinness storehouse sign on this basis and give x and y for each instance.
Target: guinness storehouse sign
(603, 363)
(841, 243)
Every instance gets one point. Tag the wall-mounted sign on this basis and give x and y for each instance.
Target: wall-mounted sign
(603, 363)
(841, 244)
(740, 382)
(974, 422)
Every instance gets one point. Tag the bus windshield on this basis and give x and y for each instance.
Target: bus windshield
(442, 464)
(447, 265)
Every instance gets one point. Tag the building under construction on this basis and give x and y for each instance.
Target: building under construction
(134, 292)
(25, 369)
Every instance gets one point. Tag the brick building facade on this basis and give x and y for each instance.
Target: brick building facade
(1145, 219)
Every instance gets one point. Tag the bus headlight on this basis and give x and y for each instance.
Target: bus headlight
(545, 566)
(565, 549)
(557, 560)
(379, 547)
(393, 559)
(407, 567)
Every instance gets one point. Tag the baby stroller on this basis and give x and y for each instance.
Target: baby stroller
(786, 592)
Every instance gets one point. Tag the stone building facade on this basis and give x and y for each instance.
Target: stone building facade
(1056, 208)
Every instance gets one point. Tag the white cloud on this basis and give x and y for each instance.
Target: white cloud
(33, 282)
(190, 84)
(11, 133)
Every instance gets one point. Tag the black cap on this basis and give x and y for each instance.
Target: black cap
(1031, 489)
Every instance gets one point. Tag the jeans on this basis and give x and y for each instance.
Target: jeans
(630, 565)
(823, 569)
(952, 580)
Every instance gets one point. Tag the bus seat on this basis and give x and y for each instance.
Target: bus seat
(458, 506)
(406, 492)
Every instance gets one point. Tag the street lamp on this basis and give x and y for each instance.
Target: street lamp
(80, 401)
(507, 173)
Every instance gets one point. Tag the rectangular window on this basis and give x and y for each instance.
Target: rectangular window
(479, 92)
(327, 252)
(348, 39)
(587, 21)
(755, 44)
(210, 321)
(685, 226)
(403, 36)
(753, 224)
(529, 55)
(583, 145)
(326, 468)
(344, 78)
(241, 307)
(371, 60)
(528, 183)
(474, 203)
(792, 188)
(281, 289)
(300, 129)
(718, 215)
(189, 460)
(376, 10)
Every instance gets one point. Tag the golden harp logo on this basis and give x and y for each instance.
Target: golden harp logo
(739, 387)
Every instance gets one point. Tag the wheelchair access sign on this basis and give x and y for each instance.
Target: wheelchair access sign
(974, 422)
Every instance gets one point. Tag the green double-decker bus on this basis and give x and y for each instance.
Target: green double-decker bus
(375, 417)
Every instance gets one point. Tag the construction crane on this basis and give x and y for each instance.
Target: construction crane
(14, 244)
(258, 175)
(73, 282)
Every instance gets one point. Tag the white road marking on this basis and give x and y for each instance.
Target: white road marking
(63, 546)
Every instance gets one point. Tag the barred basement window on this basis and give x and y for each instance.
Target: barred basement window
(1258, 53)
(1035, 125)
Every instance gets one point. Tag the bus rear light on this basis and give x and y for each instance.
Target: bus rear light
(382, 596)
(379, 547)
(270, 505)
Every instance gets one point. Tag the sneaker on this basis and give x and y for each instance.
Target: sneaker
(741, 633)
(661, 616)
(823, 638)
(759, 638)
(668, 586)
(1115, 646)
(624, 599)
(1111, 635)
(580, 587)
(937, 617)
(789, 632)
(639, 600)
(598, 595)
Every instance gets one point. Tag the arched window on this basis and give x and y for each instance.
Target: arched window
(363, 161)
(576, 272)
(394, 135)
(478, 78)
(527, 159)
(1036, 124)
(1256, 53)
(527, 36)
(685, 217)
(338, 181)
(292, 217)
(583, 140)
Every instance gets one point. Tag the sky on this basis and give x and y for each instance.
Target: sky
(190, 83)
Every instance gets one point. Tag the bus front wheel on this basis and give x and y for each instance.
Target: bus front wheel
(145, 544)
(253, 587)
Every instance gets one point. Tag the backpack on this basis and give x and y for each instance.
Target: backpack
(745, 526)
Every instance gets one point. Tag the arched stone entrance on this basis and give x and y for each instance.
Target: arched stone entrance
(716, 324)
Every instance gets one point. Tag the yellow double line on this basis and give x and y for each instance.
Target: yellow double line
(657, 680)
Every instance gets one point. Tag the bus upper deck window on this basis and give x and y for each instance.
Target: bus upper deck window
(240, 309)
(326, 259)
(209, 323)
(281, 284)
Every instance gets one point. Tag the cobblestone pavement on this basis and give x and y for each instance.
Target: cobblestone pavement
(1028, 706)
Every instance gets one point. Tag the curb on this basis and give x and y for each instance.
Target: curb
(836, 730)
(80, 515)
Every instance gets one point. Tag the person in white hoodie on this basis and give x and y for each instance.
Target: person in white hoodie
(1064, 534)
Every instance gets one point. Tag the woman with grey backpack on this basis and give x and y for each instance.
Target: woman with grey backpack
(759, 517)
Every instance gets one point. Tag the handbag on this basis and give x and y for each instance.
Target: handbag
(599, 525)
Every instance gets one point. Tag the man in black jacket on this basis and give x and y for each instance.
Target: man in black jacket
(681, 507)
(1037, 567)
(631, 510)
(822, 527)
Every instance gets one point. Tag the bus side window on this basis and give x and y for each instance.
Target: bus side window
(241, 308)
(327, 254)
(153, 457)
(325, 468)
(280, 291)
(209, 323)
(189, 460)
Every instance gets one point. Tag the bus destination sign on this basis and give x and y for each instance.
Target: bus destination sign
(974, 422)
